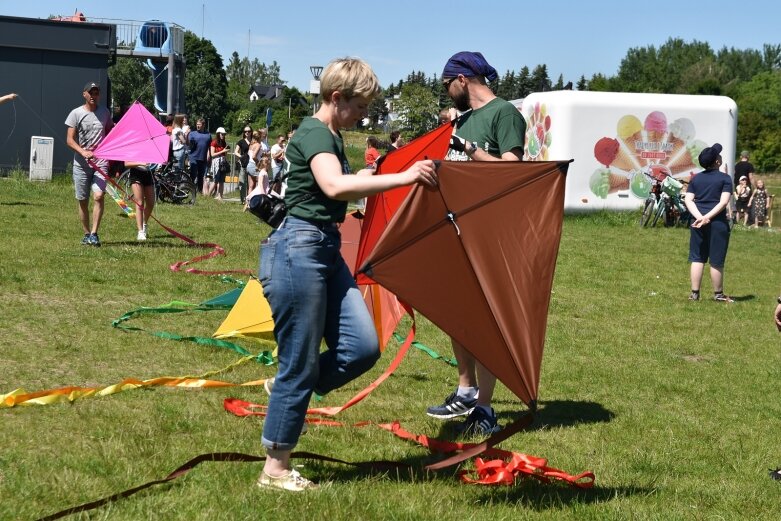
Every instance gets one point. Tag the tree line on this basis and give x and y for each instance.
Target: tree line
(751, 77)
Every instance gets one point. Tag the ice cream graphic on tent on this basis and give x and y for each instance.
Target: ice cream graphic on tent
(640, 146)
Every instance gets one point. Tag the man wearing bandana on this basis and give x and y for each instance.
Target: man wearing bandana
(489, 129)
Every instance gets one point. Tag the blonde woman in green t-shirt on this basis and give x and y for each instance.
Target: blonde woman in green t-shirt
(312, 294)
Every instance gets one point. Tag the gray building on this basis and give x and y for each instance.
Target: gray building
(47, 63)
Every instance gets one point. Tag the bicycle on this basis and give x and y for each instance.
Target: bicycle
(172, 185)
(664, 200)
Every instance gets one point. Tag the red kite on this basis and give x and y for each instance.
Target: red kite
(477, 257)
(383, 305)
(381, 207)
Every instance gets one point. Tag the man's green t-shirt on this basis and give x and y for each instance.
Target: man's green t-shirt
(303, 193)
(497, 127)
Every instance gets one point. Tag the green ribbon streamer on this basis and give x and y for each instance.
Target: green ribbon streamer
(178, 306)
(430, 352)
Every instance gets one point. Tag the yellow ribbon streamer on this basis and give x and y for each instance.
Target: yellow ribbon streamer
(72, 393)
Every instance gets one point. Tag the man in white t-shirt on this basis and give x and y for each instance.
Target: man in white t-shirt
(87, 125)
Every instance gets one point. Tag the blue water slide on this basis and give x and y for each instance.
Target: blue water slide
(154, 36)
(161, 84)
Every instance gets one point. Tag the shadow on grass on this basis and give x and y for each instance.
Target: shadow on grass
(557, 413)
(566, 413)
(743, 298)
(541, 496)
(19, 203)
(526, 491)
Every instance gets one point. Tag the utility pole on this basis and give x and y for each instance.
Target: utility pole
(314, 85)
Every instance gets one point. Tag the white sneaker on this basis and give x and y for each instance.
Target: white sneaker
(141, 235)
(292, 481)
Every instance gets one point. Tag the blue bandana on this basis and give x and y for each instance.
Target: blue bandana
(469, 64)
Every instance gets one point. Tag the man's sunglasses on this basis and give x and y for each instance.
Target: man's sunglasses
(446, 84)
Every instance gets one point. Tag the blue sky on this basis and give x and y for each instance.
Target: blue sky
(573, 38)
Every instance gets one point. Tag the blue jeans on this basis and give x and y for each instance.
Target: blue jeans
(313, 297)
(179, 156)
(198, 169)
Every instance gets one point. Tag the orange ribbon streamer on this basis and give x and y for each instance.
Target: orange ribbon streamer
(242, 408)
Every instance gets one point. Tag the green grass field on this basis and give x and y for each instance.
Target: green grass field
(674, 405)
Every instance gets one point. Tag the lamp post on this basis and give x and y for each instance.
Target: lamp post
(314, 85)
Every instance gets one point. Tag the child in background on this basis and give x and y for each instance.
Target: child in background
(143, 187)
(742, 197)
(760, 201)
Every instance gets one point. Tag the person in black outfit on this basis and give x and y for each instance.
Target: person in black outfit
(242, 151)
(706, 199)
(744, 168)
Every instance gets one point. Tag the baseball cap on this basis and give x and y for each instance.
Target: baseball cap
(221, 130)
(709, 155)
(89, 86)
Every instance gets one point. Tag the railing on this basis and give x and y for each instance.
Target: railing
(129, 30)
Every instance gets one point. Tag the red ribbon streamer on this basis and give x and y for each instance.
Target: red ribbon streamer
(177, 266)
(501, 471)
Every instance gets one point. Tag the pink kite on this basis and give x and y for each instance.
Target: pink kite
(137, 137)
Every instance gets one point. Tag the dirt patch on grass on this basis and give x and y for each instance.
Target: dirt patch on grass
(699, 358)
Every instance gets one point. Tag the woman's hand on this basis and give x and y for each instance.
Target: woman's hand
(423, 172)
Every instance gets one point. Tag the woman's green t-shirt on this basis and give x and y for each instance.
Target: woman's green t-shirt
(303, 193)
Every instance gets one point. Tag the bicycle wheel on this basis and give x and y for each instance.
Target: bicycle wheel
(658, 211)
(184, 193)
(124, 182)
(648, 208)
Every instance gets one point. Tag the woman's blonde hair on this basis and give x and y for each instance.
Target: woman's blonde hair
(179, 120)
(351, 77)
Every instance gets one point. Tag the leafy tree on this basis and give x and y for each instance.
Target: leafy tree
(417, 77)
(524, 83)
(759, 102)
(582, 84)
(507, 86)
(599, 83)
(131, 80)
(378, 110)
(205, 82)
(417, 108)
(242, 74)
(771, 56)
(540, 81)
(741, 65)
(646, 69)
